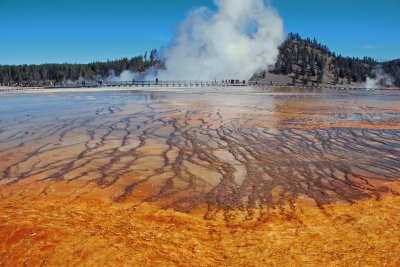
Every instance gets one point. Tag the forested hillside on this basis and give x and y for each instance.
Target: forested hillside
(393, 69)
(308, 62)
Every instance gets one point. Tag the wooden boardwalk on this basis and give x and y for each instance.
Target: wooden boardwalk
(176, 83)
(12, 89)
(135, 84)
(184, 84)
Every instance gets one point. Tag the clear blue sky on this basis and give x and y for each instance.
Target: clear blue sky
(38, 31)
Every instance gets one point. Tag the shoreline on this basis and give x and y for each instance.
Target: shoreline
(173, 88)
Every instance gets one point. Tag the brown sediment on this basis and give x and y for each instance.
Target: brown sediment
(247, 168)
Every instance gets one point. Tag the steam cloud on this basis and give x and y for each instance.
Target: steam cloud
(238, 39)
(126, 75)
(381, 79)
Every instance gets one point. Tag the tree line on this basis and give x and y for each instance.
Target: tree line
(306, 61)
(46, 74)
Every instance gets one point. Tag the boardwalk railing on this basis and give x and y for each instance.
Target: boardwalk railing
(177, 83)
(11, 89)
(140, 83)
(186, 84)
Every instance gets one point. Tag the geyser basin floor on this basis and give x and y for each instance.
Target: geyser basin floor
(200, 176)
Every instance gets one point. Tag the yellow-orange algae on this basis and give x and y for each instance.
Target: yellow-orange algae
(57, 230)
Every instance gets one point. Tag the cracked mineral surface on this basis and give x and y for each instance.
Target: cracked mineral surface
(204, 176)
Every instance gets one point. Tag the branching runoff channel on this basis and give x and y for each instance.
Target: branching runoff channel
(253, 148)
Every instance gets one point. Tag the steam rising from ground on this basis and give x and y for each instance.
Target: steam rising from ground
(235, 41)
(128, 76)
(381, 79)
(238, 39)
(125, 76)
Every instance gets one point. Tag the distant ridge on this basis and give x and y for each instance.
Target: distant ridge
(300, 62)
(308, 62)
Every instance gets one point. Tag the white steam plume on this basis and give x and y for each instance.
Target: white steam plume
(125, 76)
(381, 79)
(239, 39)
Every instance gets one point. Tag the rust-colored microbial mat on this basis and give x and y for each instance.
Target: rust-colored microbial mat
(206, 176)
